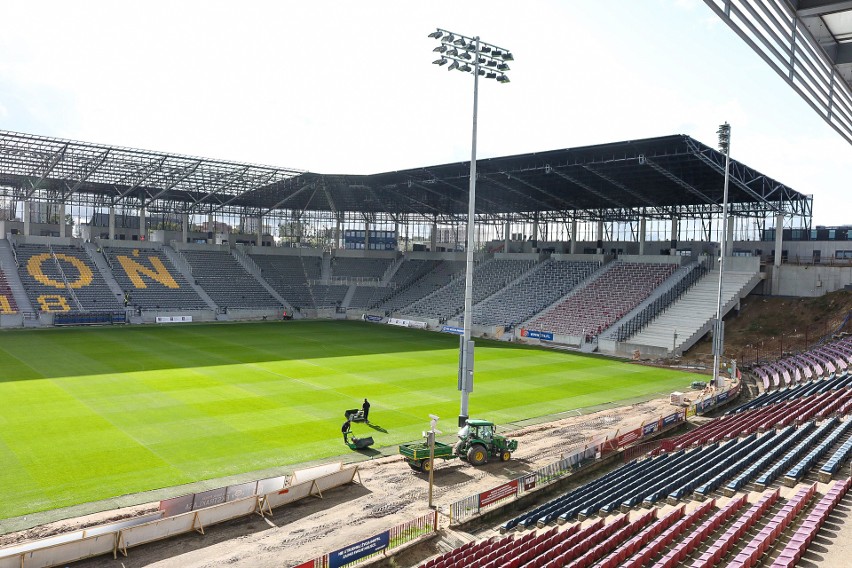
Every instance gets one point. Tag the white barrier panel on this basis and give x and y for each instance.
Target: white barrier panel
(336, 479)
(70, 551)
(271, 484)
(173, 319)
(156, 530)
(417, 324)
(115, 527)
(399, 322)
(227, 511)
(13, 561)
(43, 543)
(288, 494)
(303, 475)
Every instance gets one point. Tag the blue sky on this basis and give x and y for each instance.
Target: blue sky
(348, 87)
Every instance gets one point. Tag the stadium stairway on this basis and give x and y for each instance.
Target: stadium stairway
(100, 261)
(692, 315)
(252, 268)
(10, 269)
(182, 266)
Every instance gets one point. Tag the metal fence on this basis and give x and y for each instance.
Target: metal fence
(376, 545)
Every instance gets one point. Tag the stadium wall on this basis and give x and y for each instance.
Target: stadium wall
(811, 280)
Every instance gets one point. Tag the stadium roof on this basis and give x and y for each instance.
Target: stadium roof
(655, 177)
(807, 42)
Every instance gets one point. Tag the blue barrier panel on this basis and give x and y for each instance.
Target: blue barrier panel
(353, 552)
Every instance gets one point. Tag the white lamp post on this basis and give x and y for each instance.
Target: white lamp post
(470, 55)
(724, 133)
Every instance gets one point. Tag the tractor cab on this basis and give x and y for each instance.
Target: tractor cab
(478, 440)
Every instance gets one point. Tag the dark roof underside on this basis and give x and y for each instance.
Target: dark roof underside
(657, 176)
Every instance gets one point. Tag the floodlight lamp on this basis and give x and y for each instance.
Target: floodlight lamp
(465, 68)
(482, 71)
(449, 39)
(490, 63)
(503, 79)
(491, 75)
(453, 65)
(503, 67)
(470, 47)
(497, 53)
(454, 52)
(440, 49)
(508, 57)
(484, 49)
(460, 42)
(724, 133)
(436, 34)
(442, 61)
(481, 60)
(465, 56)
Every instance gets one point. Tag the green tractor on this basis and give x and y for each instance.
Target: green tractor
(478, 441)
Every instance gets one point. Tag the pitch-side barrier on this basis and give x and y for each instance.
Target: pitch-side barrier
(176, 516)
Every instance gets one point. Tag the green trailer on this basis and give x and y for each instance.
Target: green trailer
(478, 440)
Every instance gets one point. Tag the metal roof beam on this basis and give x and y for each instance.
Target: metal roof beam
(582, 185)
(49, 167)
(182, 176)
(678, 180)
(86, 175)
(540, 190)
(511, 189)
(805, 8)
(617, 184)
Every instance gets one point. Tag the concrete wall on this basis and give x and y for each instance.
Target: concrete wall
(812, 281)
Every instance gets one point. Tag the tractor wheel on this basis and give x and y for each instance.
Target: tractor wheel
(426, 465)
(505, 455)
(477, 454)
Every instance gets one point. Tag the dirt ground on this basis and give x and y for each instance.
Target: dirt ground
(389, 493)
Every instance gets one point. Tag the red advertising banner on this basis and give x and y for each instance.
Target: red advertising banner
(493, 495)
(529, 482)
(628, 437)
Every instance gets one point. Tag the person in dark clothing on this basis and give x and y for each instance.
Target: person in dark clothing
(345, 430)
(366, 409)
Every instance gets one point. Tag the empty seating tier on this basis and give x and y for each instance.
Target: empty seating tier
(151, 280)
(226, 281)
(603, 301)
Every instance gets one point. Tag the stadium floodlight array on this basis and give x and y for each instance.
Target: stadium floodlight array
(460, 52)
(487, 59)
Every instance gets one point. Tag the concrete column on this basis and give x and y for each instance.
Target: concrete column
(729, 245)
(396, 233)
(366, 235)
(779, 237)
(642, 223)
(535, 231)
(506, 236)
(112, 223)
(433, 240)
(599, 237)
(574, 236)
(62, 219)
(143, 235)
(184, 227)
(27, 218)
(337, 243)
(260, 230)
(675, 228)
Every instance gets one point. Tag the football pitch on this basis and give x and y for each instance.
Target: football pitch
(88, 414)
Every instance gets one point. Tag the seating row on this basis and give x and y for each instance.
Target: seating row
(805, 533)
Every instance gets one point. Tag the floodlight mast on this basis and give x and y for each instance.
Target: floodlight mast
(724, 133)
(494, 58)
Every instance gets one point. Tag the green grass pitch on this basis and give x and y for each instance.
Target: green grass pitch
(88, 414)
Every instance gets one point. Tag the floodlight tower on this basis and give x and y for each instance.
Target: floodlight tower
(724, 133)
(470, 55)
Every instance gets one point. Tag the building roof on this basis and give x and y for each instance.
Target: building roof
(654, 177)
